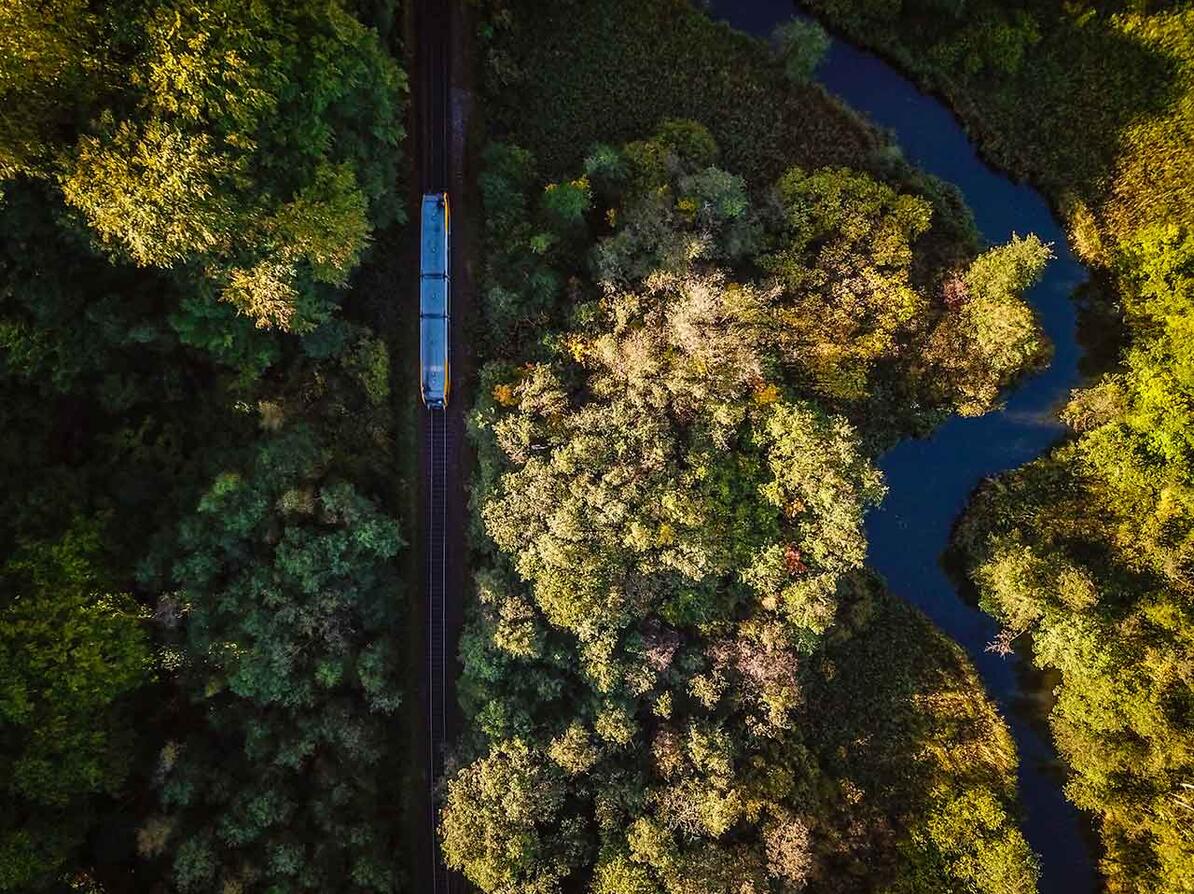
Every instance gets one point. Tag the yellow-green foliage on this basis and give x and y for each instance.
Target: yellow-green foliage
(71, 652)
(903, 720)
(48, 65)
(206, 141)
(998, 335)
(1072, 549)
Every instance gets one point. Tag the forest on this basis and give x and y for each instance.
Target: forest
(198, 581)
(1087, 553)
(710, 296)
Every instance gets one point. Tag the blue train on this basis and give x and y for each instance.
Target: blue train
(435, 265)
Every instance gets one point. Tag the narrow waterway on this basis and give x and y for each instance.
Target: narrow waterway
(930, 480)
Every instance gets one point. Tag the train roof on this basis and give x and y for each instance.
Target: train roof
(433, 297)
(433, 351)
(433, 259)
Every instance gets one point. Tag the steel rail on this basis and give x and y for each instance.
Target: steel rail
(437, 574)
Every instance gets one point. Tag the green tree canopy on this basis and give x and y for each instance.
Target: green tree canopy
(71, 652)
(249, 144)
(802, 45)
(287, 587)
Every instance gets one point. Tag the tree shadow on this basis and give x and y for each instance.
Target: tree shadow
(899, 719)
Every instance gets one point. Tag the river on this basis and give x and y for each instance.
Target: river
(931, 479)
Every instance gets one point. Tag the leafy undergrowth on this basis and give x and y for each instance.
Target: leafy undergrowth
(567, 75)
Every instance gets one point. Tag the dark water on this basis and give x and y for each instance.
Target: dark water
(931, 480)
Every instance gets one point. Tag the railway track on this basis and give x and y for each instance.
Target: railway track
(439, 450)
(440, 531)
(432, 21)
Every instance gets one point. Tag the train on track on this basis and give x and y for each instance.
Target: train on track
(435, 287)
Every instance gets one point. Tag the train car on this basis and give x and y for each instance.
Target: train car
(435, 282)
